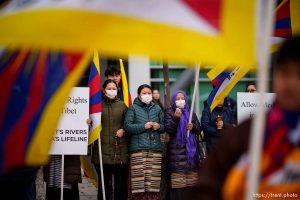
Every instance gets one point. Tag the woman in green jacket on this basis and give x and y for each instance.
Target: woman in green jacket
(113, 144)
(144, 123)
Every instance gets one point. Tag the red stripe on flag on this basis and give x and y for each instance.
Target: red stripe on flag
(283, 11)
(96, 108)
(210, 10)
(129, 99)
(9, 76)
(278, 159)
(94, 85)
(215, 82)
(71, 60)
(18, 136)
(284, 33)
(277, 138)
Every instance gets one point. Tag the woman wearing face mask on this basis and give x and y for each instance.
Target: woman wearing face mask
(144, 122)
(113, 143)
(182, 150)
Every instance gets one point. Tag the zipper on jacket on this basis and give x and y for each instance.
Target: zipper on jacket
(149, 132)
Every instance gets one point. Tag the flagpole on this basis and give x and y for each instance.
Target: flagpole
(62, 177)
(258, 125)
(167, 99)
(101, 169)
(194, 95)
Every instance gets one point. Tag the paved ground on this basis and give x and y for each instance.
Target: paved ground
(87, 191)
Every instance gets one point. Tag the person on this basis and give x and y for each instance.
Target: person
(72, 176)
(214, 123)
(229, 103)
(182, 150)
(114, 145)
(224, 173)
(19, 184)
(114, 73)
(156, 98)
(144, 121)
(251, 87)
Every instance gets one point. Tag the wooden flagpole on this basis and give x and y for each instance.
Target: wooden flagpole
(194, 94)
(167, 99)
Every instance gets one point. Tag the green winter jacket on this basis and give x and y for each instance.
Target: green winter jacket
(114, 150)
(136, 117)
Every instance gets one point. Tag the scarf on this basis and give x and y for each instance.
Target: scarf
(181, 136)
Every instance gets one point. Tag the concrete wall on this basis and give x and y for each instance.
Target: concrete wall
(138, 73)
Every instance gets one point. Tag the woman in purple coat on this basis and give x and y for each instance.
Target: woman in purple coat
(182, 150)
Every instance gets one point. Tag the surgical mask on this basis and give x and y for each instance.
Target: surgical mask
(180, 103)
(111, 94)
(146, 98)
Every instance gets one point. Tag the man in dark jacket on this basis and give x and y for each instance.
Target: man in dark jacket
(214, 123)
(114, 73)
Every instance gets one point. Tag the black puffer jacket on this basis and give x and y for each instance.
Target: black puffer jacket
(177, 158)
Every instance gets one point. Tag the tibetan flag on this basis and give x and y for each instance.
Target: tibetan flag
(95, 99)
(287, 22)
(34, 87)
(126, 93)
(95, 116)
(174, 30)
(225, 81)
(217, 75)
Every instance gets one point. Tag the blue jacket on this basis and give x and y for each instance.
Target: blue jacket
(135, 119)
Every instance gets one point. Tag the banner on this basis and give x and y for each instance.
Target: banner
(247, 104)
(71, 136)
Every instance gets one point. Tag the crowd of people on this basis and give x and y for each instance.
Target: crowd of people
(152, 152)
(133, 142)
(136, 141)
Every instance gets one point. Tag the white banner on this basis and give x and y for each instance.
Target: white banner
(247, 104)
(71, 136)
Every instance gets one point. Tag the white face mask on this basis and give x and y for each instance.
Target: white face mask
(111, 94)
(146, 98)
(180, 103)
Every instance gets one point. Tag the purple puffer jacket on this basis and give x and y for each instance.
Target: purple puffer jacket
(177, 160)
